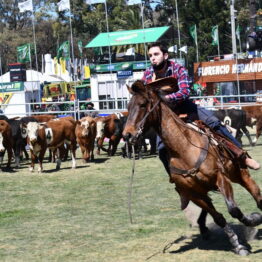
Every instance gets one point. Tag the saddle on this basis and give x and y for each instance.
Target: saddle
(222, 142)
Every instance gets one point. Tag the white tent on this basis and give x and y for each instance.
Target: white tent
(32, 75)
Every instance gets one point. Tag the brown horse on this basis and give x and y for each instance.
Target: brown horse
(197, 164)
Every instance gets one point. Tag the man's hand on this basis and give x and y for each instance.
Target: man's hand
(164, 97)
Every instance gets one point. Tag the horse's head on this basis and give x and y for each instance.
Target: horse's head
(143, 105)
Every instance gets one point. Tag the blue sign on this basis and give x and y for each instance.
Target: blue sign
(124, 73)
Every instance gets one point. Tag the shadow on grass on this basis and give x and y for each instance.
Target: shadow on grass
(9, 170)
(63, 168)
(218, 240)
(100, 160)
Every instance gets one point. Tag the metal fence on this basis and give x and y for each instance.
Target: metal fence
(103, 107)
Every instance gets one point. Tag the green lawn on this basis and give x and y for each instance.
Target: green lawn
(82, 215)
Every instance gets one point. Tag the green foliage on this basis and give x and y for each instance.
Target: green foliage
(89, 20)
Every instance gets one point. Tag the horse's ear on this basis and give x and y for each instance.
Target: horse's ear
(137, 87)
(129, 88)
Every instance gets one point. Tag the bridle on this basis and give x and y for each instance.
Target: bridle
(141, 124)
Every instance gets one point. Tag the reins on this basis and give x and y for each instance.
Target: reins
(131, 186)
(139, 132)
(204, 149)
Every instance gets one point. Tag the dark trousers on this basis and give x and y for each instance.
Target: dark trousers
(195, 112)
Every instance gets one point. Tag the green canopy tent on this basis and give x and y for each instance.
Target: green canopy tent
(130, 37)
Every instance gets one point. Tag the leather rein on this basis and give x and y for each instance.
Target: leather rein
(203, 154)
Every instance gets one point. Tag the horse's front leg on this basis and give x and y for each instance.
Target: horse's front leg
(206, 204)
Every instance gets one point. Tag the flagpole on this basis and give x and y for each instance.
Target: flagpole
(72, 43)
(218, 49)
(1, 72)
(143, 26)
(196, 44)
(33, 22)
(30, 62)
(109, 46)
(178, 30)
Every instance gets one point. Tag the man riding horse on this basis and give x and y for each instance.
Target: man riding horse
(161, 67)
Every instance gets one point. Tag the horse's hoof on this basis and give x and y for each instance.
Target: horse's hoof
(256, 218)
(242, 251)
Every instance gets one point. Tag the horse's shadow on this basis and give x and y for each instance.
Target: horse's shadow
(100, 160)
(218, 240)
(61, 169)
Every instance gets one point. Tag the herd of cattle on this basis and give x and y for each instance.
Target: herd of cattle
(60, 135)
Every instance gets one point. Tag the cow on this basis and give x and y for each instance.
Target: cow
(43, 118)
(53, 134)
(237, 119)
(6, 142)
(85, 136)
(254, 113)
(110, 126)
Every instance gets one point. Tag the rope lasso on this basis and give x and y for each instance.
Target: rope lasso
(131, 186)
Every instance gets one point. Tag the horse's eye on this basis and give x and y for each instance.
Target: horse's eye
(143, 105)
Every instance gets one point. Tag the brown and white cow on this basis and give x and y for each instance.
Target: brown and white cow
(5, 142)
(53, 134)
(254, 114)
(85, 136)
(110, 126)
(43, 118)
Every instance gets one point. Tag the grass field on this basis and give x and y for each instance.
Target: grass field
(82, 215)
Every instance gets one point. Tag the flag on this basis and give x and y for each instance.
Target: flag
(80, 47)
(214, 35)
(133, 2)
(172, 49)
(63, 65)
(63, 50)
(86, 72)
(98, 51)
(25, 6)
(56, 66)
(130, 51)
(238, 30)
(183, 49)
(91, 2)
(193, 33)
(23, 53)
(63, 5)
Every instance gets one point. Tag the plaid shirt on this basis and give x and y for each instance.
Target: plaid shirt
(177, 71)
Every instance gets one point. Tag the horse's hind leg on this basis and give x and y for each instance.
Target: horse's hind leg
(206, 204)
(250, 185)
(226, 189)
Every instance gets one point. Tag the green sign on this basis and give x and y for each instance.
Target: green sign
(113, 67)
(11, 87)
